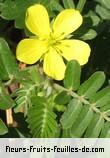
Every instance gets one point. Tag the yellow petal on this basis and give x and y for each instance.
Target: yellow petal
(75, 49)
(37, 20)
(54, 65)
(67, 22)
(30, 51)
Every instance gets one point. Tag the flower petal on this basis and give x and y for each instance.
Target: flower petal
(67, 22)
(54, 65)
(37, 20)
(30, 51)
(75, 49)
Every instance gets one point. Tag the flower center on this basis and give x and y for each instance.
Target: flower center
(52, 40)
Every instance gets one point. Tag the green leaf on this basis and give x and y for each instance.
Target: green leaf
(68, 4)
(60, 108)
(71, 114)
(90, 34)
(8, 65)
(82, 122)
(35, 74)
(5, 100)
(86, 31)
(102, 97)
(56, 6)
(62, 98)
(66, 133)
(105, 3)
(3, 128)
(106, 109)
(95, 127)
(103, 12)
(80, 5)
(94, 17)
(92, 85)
(42, 121)
(105, 130)
(39, 100)
(16, 10)
(72, 75)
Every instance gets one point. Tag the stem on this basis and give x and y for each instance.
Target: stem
(9, 117)
(80, 5)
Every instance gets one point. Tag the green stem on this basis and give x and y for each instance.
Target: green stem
(80, 5)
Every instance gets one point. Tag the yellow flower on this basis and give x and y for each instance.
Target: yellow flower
(50, 42)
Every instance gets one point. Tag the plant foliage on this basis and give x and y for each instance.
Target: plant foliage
(78, 106)
(85, 115)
